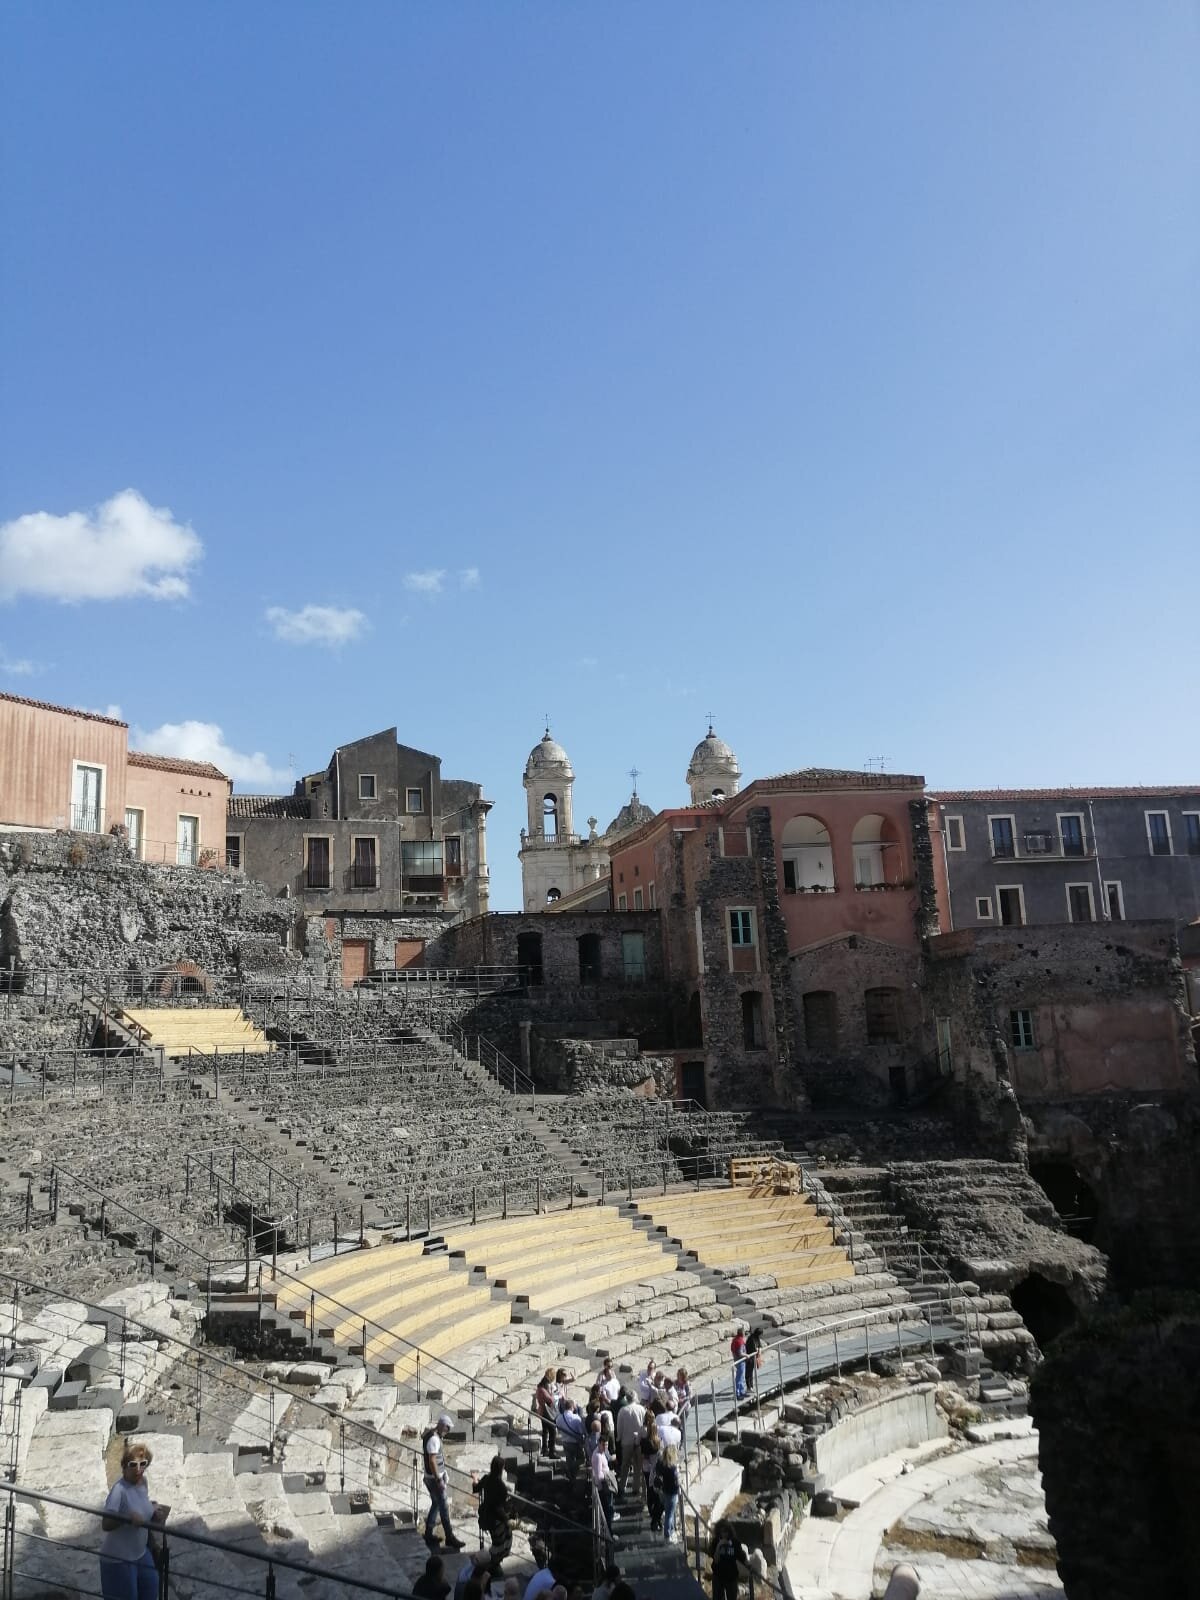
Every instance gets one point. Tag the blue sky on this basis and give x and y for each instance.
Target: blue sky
(831, 368)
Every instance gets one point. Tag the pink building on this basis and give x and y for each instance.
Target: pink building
(73, 770)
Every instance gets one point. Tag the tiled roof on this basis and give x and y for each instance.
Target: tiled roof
(66, 711)
(1153, 792)
(842, 777)
(194, 769)
(267, 805)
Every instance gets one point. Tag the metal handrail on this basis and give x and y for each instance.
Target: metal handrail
(288, 1563)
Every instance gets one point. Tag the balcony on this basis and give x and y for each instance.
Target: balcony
(876, 888)
(539, 841)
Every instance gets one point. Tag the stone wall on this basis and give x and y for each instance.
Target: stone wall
(1117, 1406)
(582, 1066)
(1140, 1157)
(990, 1223)
(495, 941)
(858, 1071)
(80, 904)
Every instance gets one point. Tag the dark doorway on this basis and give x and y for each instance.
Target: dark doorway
(691, 1082)
(820, 1021)
(589, 958)
(693, 1024)
(1044, 1307)
(898, 1084)
(752, 1020)
(1070, 1195)
(529, 957)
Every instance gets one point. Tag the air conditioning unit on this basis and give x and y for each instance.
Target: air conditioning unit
(1039, 844)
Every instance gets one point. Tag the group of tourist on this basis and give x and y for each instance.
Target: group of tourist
(627, 1438)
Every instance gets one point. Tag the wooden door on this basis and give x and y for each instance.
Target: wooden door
(356, 959)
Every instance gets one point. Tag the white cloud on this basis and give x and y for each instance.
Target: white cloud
(16, 666)
(330, 625)
(204, 741)
(122, 549)
(469, 578)
(429, 582)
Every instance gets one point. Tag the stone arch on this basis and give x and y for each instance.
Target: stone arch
(550, 815)
(552, 895)
(876, 847)
(1044, 1306)
(807, 852)
(183, 979)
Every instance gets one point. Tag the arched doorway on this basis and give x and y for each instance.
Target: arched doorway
(1044, 1307)
(1071, 1196)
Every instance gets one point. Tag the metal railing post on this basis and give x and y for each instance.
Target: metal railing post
(837, 1355)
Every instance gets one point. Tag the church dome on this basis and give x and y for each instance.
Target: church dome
(713, 767)
(548, 756)
(632, 814)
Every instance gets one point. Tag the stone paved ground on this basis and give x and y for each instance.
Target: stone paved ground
(971, 1521)
(983, 1537)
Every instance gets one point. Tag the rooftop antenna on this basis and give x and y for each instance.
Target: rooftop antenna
(876, 763)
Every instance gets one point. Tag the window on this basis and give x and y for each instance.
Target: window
(316, 866)
(882, 1009)
(741, 928)
(453, 849)
(414, 802)
(1070, 833)
(550, 816)
(622, 902)
(650, 896)
(366, 786)
(187, 841)
(1191, 832)
(983, 907)
(362, 872)
(553, 896)
(233, 851)
(752, 1020)
(868, 842)
(633, 957)
(820, 1020)
(589, 957)
(421, 858)
(135, 831)
(1158, 831)
(945, 1051)
(1010, 900)
(637, 899)
(807, 855)
(956, 838)
(1004, 837)
(87, 798)
(1081, 904)
(1114, 901)
(1020, 1030)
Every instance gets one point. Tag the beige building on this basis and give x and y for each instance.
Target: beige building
(73, 770)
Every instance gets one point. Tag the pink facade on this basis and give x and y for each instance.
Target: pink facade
(60, 768)
(65, 769)
(178, 808)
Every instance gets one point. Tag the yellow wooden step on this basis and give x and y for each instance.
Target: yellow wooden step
(790, 1278)
(343, 1274)
(551, 1225)
(441, 1340)
(569, 1248)
(583, 1286)
(603, 1257)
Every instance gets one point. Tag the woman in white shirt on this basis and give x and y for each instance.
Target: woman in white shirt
(127, 1570)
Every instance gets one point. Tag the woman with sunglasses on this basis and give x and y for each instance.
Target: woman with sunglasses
(127, 1570)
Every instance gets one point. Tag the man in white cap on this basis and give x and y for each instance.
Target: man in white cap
(436, 1479)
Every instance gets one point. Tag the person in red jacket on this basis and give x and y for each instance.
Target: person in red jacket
(737, 1349)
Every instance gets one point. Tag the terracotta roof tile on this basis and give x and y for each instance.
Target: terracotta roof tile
(267, 805)
(194, 769)
(66, 711)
